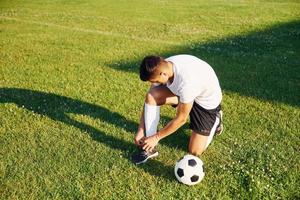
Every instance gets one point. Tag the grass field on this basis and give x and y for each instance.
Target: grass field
(70, 97)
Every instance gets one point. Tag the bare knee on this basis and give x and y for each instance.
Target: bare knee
(196, 151)
(153, 98)
(197, 144)
(150, 99)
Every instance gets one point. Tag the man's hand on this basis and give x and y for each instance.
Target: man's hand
(150, 142)
(138, 138)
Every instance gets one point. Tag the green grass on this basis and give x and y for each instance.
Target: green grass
(70, 98)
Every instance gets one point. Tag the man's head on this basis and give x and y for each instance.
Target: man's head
(154, 69)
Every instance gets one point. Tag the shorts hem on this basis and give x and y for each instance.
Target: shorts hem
(202, 132)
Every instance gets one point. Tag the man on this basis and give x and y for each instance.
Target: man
(190, 85)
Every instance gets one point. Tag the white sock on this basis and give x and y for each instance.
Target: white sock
(151, 119)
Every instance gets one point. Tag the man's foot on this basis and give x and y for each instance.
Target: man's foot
(142, 156)
(220, 127)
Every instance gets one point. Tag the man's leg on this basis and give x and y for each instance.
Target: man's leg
(156, 97)
(197, 144)
(160, 95)
(204, 124)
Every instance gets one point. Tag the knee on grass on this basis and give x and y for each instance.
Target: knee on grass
(196, 151)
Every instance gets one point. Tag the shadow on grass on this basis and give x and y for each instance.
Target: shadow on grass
(57, 108)
(264, 64)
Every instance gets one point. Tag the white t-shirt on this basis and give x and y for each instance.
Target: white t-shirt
(195, 80)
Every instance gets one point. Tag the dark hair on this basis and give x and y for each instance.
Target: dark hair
(148, 66)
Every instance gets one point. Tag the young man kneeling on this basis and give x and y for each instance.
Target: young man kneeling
(190, 85)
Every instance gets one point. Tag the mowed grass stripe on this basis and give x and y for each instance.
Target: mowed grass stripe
(120, 35)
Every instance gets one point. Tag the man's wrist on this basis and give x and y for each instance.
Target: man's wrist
(157, 136)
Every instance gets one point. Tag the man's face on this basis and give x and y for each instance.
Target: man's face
(160, 77)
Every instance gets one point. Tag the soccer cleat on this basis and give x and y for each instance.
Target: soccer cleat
(220, 127)
(142, 156)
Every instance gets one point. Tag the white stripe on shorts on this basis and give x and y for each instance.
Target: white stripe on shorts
(212, 132)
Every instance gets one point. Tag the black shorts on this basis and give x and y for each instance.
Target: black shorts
(203, 120)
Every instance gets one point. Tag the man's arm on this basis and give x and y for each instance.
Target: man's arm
(182, 114)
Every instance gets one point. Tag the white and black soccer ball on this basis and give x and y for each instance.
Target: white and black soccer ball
(189, 170)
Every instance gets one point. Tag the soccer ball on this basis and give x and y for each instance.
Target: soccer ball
(189, 170)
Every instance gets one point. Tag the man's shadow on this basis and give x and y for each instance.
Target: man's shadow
(59, 107)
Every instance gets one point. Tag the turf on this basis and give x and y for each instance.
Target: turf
(70, 98)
